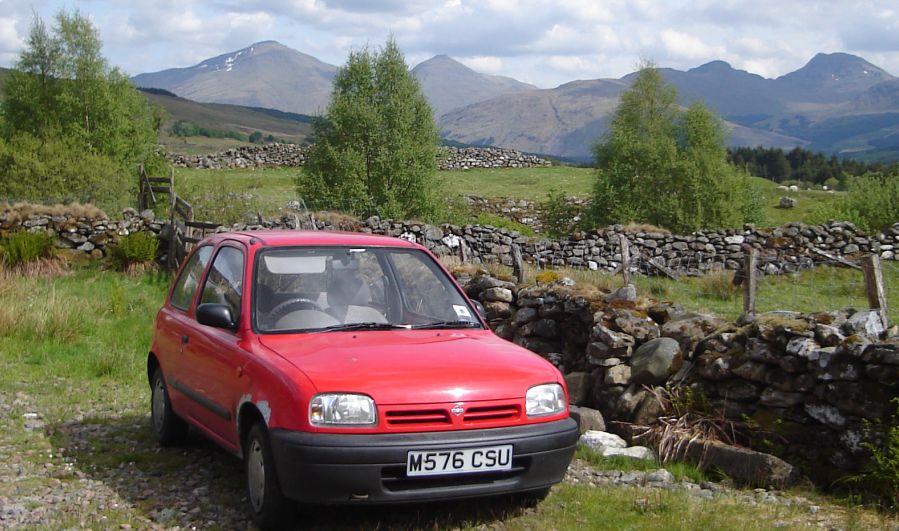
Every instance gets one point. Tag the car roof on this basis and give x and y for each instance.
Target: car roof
(285, 238)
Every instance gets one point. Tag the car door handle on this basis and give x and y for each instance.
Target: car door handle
(185, 339)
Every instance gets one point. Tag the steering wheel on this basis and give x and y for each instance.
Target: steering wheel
(291, 305)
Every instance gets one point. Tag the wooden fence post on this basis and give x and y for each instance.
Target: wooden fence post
(624, 245)
(750, 281)
(874, 286)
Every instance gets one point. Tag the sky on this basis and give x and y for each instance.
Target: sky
(545, 43)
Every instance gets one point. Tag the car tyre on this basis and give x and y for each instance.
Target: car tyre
(267, 505)
(168, 428)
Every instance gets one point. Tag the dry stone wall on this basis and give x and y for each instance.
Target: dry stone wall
(786, 249)
(799, 386)
(278, 155)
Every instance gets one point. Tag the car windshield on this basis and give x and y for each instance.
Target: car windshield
(325, 289)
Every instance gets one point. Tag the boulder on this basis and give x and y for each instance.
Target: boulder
(866, 322)
(654, 361)
(688, 331)
(580, 387)
(599, 441)
(741, 464)
(588, 419)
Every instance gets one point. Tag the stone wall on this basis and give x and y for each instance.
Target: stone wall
(799, 386)
(786, 249)
(292, 155)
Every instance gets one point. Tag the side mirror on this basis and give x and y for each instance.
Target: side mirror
(217, 315)
(480, 308)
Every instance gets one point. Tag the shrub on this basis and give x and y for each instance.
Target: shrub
(558, 216)
(872, 202)
(24, 247)
(135, 248)
(881, 479)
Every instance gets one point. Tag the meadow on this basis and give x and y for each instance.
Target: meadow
(267, 191)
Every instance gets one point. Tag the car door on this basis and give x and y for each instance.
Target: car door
(212, 357)
(174, 325)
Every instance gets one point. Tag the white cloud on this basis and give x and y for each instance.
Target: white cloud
(546, 43)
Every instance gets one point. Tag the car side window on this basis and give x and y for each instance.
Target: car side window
(186, 285)
(224, 284)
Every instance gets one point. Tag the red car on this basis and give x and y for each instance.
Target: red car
(349, 368)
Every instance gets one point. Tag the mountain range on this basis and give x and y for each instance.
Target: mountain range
(836, 103)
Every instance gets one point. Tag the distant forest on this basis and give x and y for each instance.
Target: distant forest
(802, 165)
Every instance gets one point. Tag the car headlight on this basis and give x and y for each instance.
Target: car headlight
(342, 409)
(546, 399)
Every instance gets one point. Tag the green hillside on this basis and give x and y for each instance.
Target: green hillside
(283, 126)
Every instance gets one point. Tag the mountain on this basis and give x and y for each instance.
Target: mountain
(831, 78)
(448, 84)
(266, 74)
(836, 103)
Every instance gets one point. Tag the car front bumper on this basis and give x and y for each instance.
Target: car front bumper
(336, 468)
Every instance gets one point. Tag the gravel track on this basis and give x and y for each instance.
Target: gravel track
(103, 470)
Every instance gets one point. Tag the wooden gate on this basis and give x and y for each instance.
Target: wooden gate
(181, 232)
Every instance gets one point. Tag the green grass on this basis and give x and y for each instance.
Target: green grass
(520, 183)
(268, 190)
(680, 471)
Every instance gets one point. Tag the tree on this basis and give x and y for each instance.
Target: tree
(63, 92)
(658, 164)
(376, 147)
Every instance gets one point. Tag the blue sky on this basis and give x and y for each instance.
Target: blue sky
(542, 42)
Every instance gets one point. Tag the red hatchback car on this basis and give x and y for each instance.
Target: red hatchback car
(349, 368)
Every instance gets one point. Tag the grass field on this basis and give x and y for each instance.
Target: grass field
(268, 190)
(73, 351)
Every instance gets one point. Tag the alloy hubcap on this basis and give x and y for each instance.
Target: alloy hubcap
(256, 475)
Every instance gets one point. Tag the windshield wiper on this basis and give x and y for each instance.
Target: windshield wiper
(447, 324)
(349, 327)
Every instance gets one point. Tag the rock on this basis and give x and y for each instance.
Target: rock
(497, 310)
(640, 328)
(661, 476)
(599, 441)
(787, 202)
(497, 294)
(611, 338)
(690, 330)
(864, 322)
(741, 464)
(739, 390)
(654, 361)
(637, 453)
(617, 375)
(588, 419)
(627, 293)
(524, 316)
(580, 387)
(773, 397)
(827, 415)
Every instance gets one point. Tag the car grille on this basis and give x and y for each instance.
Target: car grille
(441, 416)
(422, 416)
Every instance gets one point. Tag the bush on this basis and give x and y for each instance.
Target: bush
(24, 247)
(881, 479)
(872, 202)
(558, 216)
(59, 169)
(135, 248)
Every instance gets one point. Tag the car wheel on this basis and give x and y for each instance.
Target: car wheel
(168, 427)
(267, 505)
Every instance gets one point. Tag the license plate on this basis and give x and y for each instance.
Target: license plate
(433, 462)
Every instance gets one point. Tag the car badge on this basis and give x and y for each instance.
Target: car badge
(457, 410)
